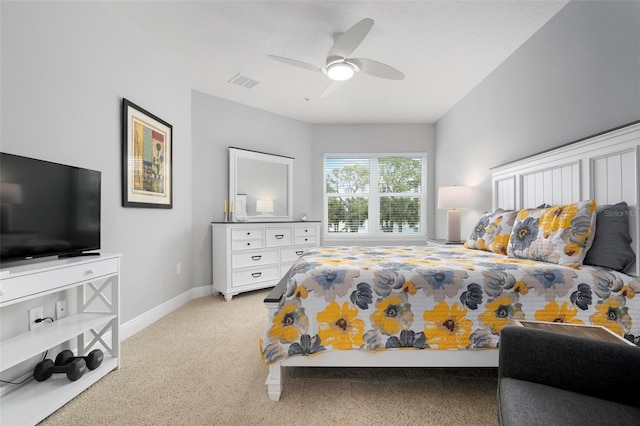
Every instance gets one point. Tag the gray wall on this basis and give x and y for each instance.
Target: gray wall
(374, 138)
(218, 124)
(65, 69)
(578, 75)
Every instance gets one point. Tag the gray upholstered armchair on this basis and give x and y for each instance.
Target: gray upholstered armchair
(546, 378)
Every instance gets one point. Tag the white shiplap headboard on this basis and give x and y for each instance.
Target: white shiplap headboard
(605, 167)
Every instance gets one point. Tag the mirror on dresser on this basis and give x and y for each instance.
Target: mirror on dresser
(260, 186)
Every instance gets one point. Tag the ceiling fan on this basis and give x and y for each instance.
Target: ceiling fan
(340, 66)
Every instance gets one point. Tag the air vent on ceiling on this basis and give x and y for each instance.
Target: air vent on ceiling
(243, 81)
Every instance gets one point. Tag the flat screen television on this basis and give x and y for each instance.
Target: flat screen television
(47, 209)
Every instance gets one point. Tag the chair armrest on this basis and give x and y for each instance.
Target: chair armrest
(601, 369)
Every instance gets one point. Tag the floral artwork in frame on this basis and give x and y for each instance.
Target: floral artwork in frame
(147, 161)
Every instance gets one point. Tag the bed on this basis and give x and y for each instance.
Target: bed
(445, 306)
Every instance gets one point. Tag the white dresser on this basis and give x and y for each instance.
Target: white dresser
(249, 256)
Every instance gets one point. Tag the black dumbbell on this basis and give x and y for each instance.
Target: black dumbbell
(93, 359)
(45, 368)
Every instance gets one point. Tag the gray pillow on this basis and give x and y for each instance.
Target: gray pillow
(611, 244)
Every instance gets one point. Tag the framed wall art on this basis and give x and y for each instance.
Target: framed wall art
(147, 162)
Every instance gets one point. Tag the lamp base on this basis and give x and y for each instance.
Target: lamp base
(453, 226)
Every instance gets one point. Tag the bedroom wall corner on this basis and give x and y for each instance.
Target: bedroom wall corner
(577, 76)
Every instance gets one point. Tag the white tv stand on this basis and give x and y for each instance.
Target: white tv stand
(96, 324)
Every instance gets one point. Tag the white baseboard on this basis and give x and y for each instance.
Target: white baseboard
(140, 322)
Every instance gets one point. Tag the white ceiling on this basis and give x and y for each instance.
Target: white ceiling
(445, 48)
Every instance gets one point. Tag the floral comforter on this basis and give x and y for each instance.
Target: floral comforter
(376, 298)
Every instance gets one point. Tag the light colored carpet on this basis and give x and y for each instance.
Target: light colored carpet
(200, 365)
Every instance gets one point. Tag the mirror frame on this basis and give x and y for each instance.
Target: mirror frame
(238, 153)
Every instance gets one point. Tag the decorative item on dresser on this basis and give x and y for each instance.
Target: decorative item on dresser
(251, 256)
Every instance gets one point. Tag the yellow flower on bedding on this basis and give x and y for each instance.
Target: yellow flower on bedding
(556, 218)
(301, 292)
(367, 263)
(446, 327)
(513, 260)
(392, 314)
(629, 291)
(481, 244)
(408, 287)
(524, 213)
(500, 312)
(554, 313)
(520, 287)
(340, 327)
(289, 322)
(611, 313)
(334, 261)
(500, 244)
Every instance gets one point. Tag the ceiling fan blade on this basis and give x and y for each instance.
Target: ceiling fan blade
(296, 63)
(349, 40)
(331, 88)
(377, 69)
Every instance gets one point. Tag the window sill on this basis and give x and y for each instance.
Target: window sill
(418, 238)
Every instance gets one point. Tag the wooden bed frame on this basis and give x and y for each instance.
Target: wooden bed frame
(604, 167)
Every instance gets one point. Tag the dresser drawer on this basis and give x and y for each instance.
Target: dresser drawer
(34, 283)
(255, 275)
(304, 231)
(241, 234)
(308, 239)
(277, 237)
(291, 254)
(247, 244)
(242, 260)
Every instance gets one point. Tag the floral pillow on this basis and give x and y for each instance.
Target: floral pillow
(559, 234)
(492, 231)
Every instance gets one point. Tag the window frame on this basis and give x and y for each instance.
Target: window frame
(373, 197)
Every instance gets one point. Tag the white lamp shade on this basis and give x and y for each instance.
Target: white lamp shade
(264, 206)
(454, 197)
(10, 193)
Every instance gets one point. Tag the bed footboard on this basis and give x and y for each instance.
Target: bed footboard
(354, 358)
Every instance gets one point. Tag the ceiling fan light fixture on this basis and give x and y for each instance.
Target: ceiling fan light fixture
(340, 71)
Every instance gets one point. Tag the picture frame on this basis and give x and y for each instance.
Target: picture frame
(147, 159)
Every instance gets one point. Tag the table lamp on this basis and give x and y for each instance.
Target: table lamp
(264, 206)
(454, 198)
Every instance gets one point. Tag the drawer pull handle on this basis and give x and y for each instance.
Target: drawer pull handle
(256, 257)
(306, 230)
(248, 244)
(279, 236)
(306, 239)
(256, 274)
(299, 252)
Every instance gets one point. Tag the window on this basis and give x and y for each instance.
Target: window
(375, 195)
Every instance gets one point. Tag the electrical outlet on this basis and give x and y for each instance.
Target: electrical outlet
(61, 309)
(34, 314)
